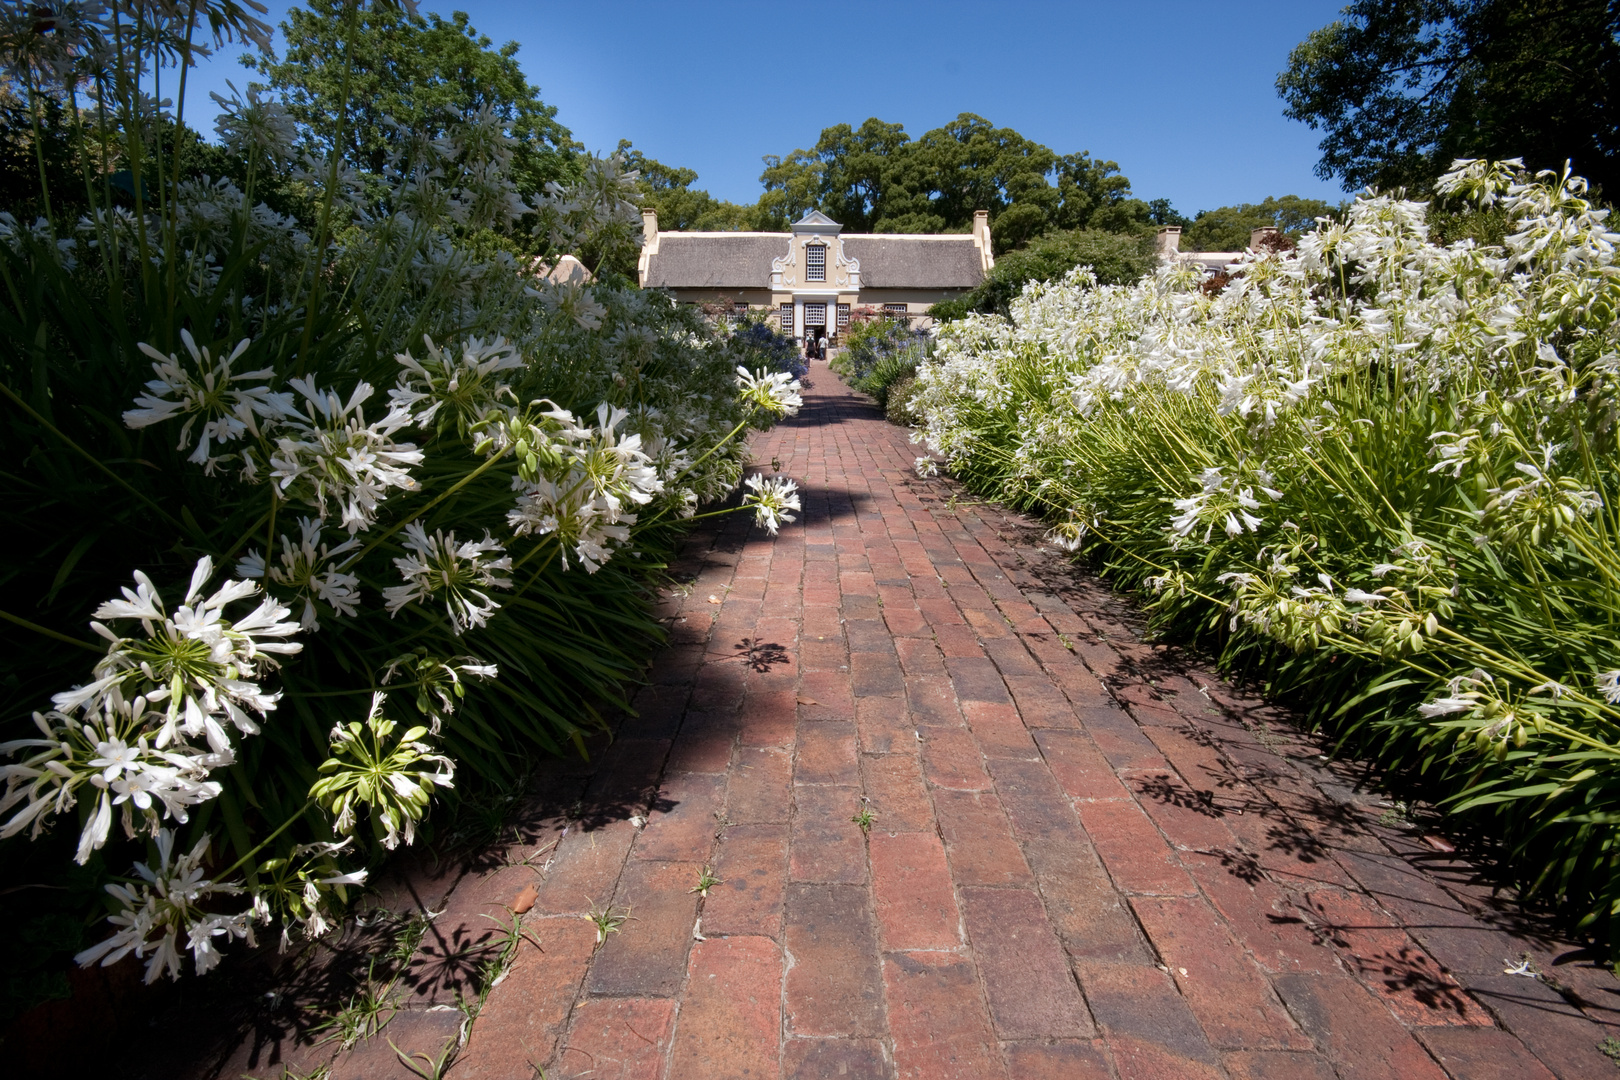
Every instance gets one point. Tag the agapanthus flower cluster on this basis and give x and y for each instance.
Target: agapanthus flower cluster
(128, 737)
(454, 573)
(208, 390)
(309, 572)
(170, 900)
(776, 393)
(585, 485)
(1159, 401)
(394, 778)
(268, 336)
(440, 681)
(333, 459)
(771, 500)
(467, 385)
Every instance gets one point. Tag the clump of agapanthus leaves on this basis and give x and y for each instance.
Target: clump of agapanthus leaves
(337, 471)
(143, 737)
(1374, 449)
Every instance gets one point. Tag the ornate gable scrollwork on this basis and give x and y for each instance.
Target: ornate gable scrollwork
(784, 268)
(846, 271)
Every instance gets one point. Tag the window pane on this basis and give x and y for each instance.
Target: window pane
(815, 263)
(815, 314)
(843, 315)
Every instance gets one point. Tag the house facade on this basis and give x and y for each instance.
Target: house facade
(812, 278)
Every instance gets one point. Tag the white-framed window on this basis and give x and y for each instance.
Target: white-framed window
(894, 309)
(785, 317)
(739, 309)
(843, 316)
(815, 315)
(815, 262)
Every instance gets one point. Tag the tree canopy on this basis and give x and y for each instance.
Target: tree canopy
(1402, 87)
(419, 72)
(668, 190)
(876, 178)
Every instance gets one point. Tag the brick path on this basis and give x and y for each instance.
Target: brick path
(1086, 858)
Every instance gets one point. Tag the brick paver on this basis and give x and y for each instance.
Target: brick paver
(1086, 856)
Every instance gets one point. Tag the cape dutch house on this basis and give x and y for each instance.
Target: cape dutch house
(1168, 243)
(813, 277)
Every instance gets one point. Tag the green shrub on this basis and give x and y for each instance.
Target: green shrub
(897, 407)
(879, 351)
(1115, 259)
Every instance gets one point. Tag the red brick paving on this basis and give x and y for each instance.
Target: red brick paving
(1087, 857)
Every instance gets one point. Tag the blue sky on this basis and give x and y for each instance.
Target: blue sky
(1180, 94)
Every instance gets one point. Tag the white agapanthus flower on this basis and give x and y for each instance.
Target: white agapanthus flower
(1608, 685)
(585, 494)
(126, 737)
(1361, 596)
(438, 681)
(771, 500)
(333, 455)
(202, 666)
(466, 381)
(773, 392)
(167, 902)
(208, 390)
(573, 300)
(258, 125)
(106, 754)
(455, 572)
(1446, 706)
(311, 571)
(392, 779)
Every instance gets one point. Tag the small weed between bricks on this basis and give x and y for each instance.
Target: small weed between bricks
(368, 1010)
(706, 881)
(607, 920)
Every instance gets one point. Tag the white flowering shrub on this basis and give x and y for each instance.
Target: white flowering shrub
(1379, 470)
(392, 504)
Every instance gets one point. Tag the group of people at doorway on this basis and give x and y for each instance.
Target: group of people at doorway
(815, 343)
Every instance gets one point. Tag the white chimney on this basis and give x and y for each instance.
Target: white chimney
(1168, 242)
(981, 237)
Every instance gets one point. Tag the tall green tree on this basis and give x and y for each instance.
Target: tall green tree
(668, 190)
(877, 178)
(420, 73)
(1093, 194)
(1402, 87)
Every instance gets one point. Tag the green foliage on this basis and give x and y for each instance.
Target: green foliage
(322, 410)
(365, 79)
(1401, 89)
(1115, 259)
(1228, 228)
(876, 178)
(669, 191)
(897, 408)
(880, 351)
